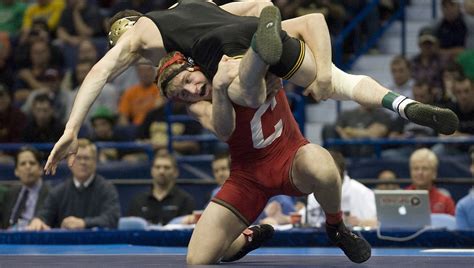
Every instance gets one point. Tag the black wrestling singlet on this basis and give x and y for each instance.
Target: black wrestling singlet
(203, 31)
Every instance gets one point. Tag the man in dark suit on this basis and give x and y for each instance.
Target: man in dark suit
(23, 201)
(85, 201)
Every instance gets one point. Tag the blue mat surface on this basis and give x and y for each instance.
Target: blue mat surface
(119, 255)
(120, 249)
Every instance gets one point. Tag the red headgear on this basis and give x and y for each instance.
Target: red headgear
(179, 58)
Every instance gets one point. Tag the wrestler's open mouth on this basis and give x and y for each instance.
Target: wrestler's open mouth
(203, 90)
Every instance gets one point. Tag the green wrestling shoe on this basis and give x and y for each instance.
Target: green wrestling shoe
(268, 43)
(442, 120)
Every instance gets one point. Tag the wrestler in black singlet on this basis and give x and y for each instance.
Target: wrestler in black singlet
(203, 31)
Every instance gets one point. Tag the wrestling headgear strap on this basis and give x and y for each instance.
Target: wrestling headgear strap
(177, 58)
(119, 27)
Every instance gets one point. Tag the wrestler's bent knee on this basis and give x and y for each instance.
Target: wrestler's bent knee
(199, 259)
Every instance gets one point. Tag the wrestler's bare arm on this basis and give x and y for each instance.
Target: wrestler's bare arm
(223, 113)
(219, 116)
(246, 8)
(202, 112)
(120, 57)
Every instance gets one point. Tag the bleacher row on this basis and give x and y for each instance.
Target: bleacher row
(196, 176)
(131, 178)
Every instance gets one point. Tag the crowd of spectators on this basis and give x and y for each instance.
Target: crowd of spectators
(439, 74)
(87, 200)
(48, 46)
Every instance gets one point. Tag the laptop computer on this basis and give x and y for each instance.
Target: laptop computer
(403, 209)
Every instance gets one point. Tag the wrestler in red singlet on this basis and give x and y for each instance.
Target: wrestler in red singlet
(262, 148)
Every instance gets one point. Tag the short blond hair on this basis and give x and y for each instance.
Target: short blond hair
(427, 154)
(166, 72)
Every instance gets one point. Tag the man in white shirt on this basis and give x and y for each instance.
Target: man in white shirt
(358, 201)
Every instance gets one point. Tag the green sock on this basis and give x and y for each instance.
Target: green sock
(388, 100)
(396, 103)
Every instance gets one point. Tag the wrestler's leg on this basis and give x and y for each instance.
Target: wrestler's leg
(324, 181)
(359, 88)
(366, 91)
(250, 85)
(219, 231)
(362, 89)
(266, 49)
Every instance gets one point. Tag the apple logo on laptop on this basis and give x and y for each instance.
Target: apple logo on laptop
(402, 210)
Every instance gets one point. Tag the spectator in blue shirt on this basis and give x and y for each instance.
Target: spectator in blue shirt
(465, 206)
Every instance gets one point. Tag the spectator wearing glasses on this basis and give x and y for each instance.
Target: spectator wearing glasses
(85, 201)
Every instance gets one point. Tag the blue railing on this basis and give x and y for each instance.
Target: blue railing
(339, 42)
(398, 15)
(299, 105)
(434, 9)
(378, 144)
(147, 148)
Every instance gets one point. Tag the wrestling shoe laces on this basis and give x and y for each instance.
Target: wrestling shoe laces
(256, 236)
(268, 43)
(356, 248)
